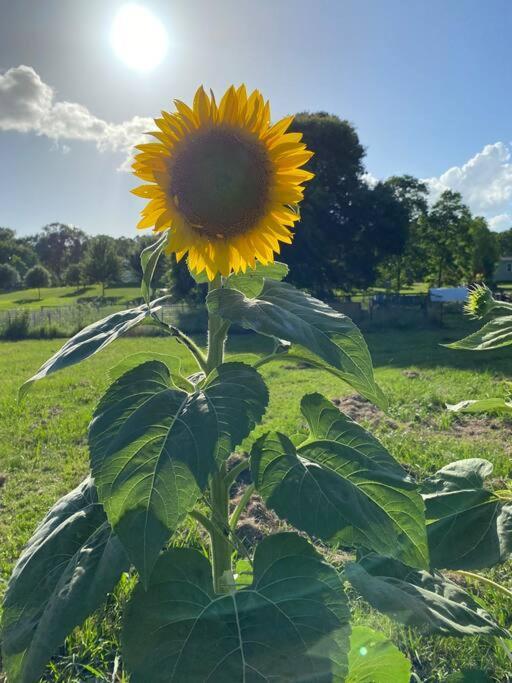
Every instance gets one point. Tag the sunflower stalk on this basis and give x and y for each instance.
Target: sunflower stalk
(223, 579)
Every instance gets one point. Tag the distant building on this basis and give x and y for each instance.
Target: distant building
(503, 271)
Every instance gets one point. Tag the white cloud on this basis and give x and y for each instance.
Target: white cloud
(369, 179)
(27, 104)
(485, 182)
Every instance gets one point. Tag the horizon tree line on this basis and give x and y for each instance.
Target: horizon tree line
(351, 235)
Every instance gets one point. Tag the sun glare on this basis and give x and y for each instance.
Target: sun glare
(138, 38)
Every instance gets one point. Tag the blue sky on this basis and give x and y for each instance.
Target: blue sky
(426, 83)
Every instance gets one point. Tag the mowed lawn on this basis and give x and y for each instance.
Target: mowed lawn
(64, 296)
(43, 454)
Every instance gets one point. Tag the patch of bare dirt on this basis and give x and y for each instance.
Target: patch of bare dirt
(411, 374)
(361, 410)
(479, 426)
(256, 521)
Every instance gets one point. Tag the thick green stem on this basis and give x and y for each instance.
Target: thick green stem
(217, 332)
(219, 536)
(219, 489)
(241, 506)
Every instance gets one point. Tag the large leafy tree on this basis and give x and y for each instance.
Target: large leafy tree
(346, 227)
(58, 245)
(16, 252)
(486, 250)
(448, 239)
(102, 263)
(408, 264)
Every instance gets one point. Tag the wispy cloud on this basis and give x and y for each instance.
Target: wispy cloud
(28, 104)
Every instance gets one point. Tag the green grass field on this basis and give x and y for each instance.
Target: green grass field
(64, 296)
(43, 454)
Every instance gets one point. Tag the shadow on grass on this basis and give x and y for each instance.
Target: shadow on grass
(21, 302)
(76, 292)
(420, 347)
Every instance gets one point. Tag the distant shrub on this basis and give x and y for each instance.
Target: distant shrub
(16, 328)
(38, 277)
(9, 277)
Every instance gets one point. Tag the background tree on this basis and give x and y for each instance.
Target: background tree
(346, 227)
(73, 275)
(101, 262)
(408, 264)
(37, 277)
(58, 245)
(16, 252)
(486, 250)
(9, 277)
(448, 239)
(505, 242)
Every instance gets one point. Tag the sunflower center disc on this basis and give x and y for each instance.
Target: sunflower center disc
(220, 180)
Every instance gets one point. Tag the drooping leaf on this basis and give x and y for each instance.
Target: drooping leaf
(291, 624)
(426, 600)
(469, 526)
(65, 572)
(149, 260)
(172, 362)
(341, 485)
(90, 340)
(483, 405)
(153, 447)
(493, 335)
(283, 312)
(373, 658)
(251, 282)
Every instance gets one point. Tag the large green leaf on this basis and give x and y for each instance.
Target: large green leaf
(291, 624)
(251, 282)
(342, 486)
(283, 312)
(90, 340)
(153, 447)
(426, 600)
(67, 568)
(482, 405)
(373, 658)
(149, 260)
(493, 335)
(469, 526)
(172, 362)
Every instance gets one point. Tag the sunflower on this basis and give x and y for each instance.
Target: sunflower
(222, 181)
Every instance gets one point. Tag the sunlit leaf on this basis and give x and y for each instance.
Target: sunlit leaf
(373, 658)
(341, 485)
(90, 340)
(65, 572)
(251, 282)
(426, 600)
(283, 312)
(290, 624)
(493, 335)
(469, 526)
(483, 405)
(149, 260)
(153, 447)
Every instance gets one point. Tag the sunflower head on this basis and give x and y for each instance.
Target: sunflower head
(480, 302)
(222, 181)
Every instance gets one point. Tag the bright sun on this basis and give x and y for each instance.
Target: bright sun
(138, 38)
